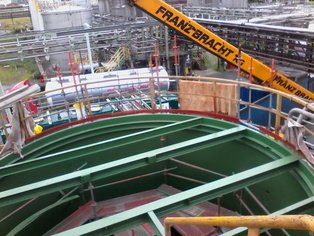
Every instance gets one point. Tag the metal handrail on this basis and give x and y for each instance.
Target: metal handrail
(248, 85)
(115, 61)
(275, 113)
(253, 223)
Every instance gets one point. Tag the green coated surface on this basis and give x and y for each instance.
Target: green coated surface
(104, 145)
(32, 218)
(156, 224)
(62, 182)
(188, 198)
(204, 158)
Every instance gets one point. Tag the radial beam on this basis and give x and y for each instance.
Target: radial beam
(32, 218)
(75, 153)
(109, 225)
(156, 224)
(78, 178)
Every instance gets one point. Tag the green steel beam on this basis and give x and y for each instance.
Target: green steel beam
(268, 143)
(30, 219)
(77, 178)
(265, 145)
(306, 174)
(292, 209)
(68, 155)
(297, 207)
(110, 224)
(263, 149)
(74, 134)
(156, 224)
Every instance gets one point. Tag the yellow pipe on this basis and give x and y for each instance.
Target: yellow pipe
(253, 232)
(278, 112)
(296, 222)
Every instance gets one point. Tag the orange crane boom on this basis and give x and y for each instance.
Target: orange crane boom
(221, 48)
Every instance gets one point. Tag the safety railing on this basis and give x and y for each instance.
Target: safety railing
(121, 55)
(258, 107)
(140, 86)
(253, 223)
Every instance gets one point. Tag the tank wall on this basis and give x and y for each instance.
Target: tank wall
(125, 12)
(59, 20)
(69, 19)
(104, 7)
(119, 9)
(218, 3)
(234, 3)
(83, 3)
(209, 3)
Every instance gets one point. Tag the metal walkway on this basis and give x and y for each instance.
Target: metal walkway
(289, 46)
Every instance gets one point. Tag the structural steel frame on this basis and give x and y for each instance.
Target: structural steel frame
(214, 132)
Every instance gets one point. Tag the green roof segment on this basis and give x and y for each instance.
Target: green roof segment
(204, 159)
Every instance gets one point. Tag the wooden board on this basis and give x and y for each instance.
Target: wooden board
(208, 97)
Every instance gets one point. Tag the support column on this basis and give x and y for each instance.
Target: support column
(167, 48)
(107, 6)
(89, 53)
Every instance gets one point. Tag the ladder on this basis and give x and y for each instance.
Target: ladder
(118, 58)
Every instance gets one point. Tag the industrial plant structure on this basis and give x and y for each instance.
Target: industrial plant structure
(126, 137)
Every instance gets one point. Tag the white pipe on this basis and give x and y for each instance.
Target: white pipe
(89, 53)
(302, 112)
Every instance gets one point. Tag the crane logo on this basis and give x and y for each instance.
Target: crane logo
(211, 42)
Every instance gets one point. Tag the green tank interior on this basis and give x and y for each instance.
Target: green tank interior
(205, 159)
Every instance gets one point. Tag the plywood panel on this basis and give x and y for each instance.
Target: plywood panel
(208, 97)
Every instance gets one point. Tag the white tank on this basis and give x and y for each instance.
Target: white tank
(66, 16)
(136, 79)
(52, 14)
(234, 3)
(83, 3)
